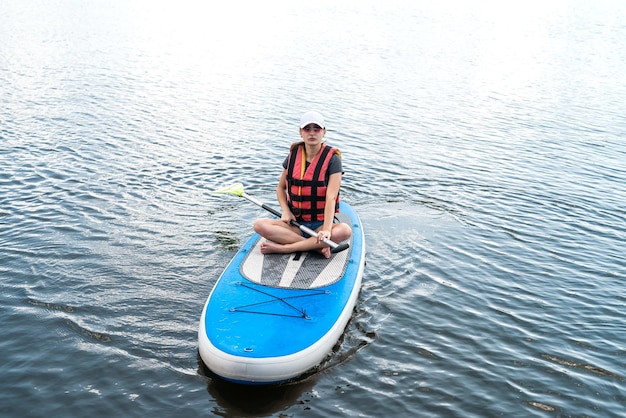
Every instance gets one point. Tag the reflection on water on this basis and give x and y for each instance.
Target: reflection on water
(227, 240)
(262, 400)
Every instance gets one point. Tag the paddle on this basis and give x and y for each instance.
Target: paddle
(237, 189)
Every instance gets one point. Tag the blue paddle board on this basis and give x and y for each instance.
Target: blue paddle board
(271, 318)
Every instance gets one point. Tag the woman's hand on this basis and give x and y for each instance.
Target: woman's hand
(287, 217)
(323, 234)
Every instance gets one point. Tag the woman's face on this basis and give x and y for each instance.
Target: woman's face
(312, 133)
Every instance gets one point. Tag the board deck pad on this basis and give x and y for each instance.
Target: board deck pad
(302, 270)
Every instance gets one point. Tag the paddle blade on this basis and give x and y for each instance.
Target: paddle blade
(236, 189)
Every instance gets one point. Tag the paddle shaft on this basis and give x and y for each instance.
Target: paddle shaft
(335, 248)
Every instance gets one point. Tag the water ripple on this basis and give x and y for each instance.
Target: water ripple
(483, 148)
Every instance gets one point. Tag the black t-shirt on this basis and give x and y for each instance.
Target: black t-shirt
(334, 166)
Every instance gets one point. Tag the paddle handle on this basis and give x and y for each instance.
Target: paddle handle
(335, 248)
(271, 209)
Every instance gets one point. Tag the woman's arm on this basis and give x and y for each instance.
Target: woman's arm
(281, 195)
(332, 191)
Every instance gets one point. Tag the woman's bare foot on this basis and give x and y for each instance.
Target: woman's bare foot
(325, 252)
(270, 247)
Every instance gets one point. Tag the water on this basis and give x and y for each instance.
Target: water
(483, 146)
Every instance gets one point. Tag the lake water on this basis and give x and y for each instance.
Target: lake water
(484, 147)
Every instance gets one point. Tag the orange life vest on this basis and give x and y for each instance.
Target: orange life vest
(306, 187)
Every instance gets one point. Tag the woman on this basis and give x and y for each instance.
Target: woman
(308, 192)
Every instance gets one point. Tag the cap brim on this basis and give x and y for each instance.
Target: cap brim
(303, 124)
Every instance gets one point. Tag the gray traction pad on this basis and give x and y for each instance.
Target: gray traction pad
(305, 270)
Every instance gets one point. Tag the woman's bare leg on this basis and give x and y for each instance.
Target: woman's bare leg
(283, 238)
